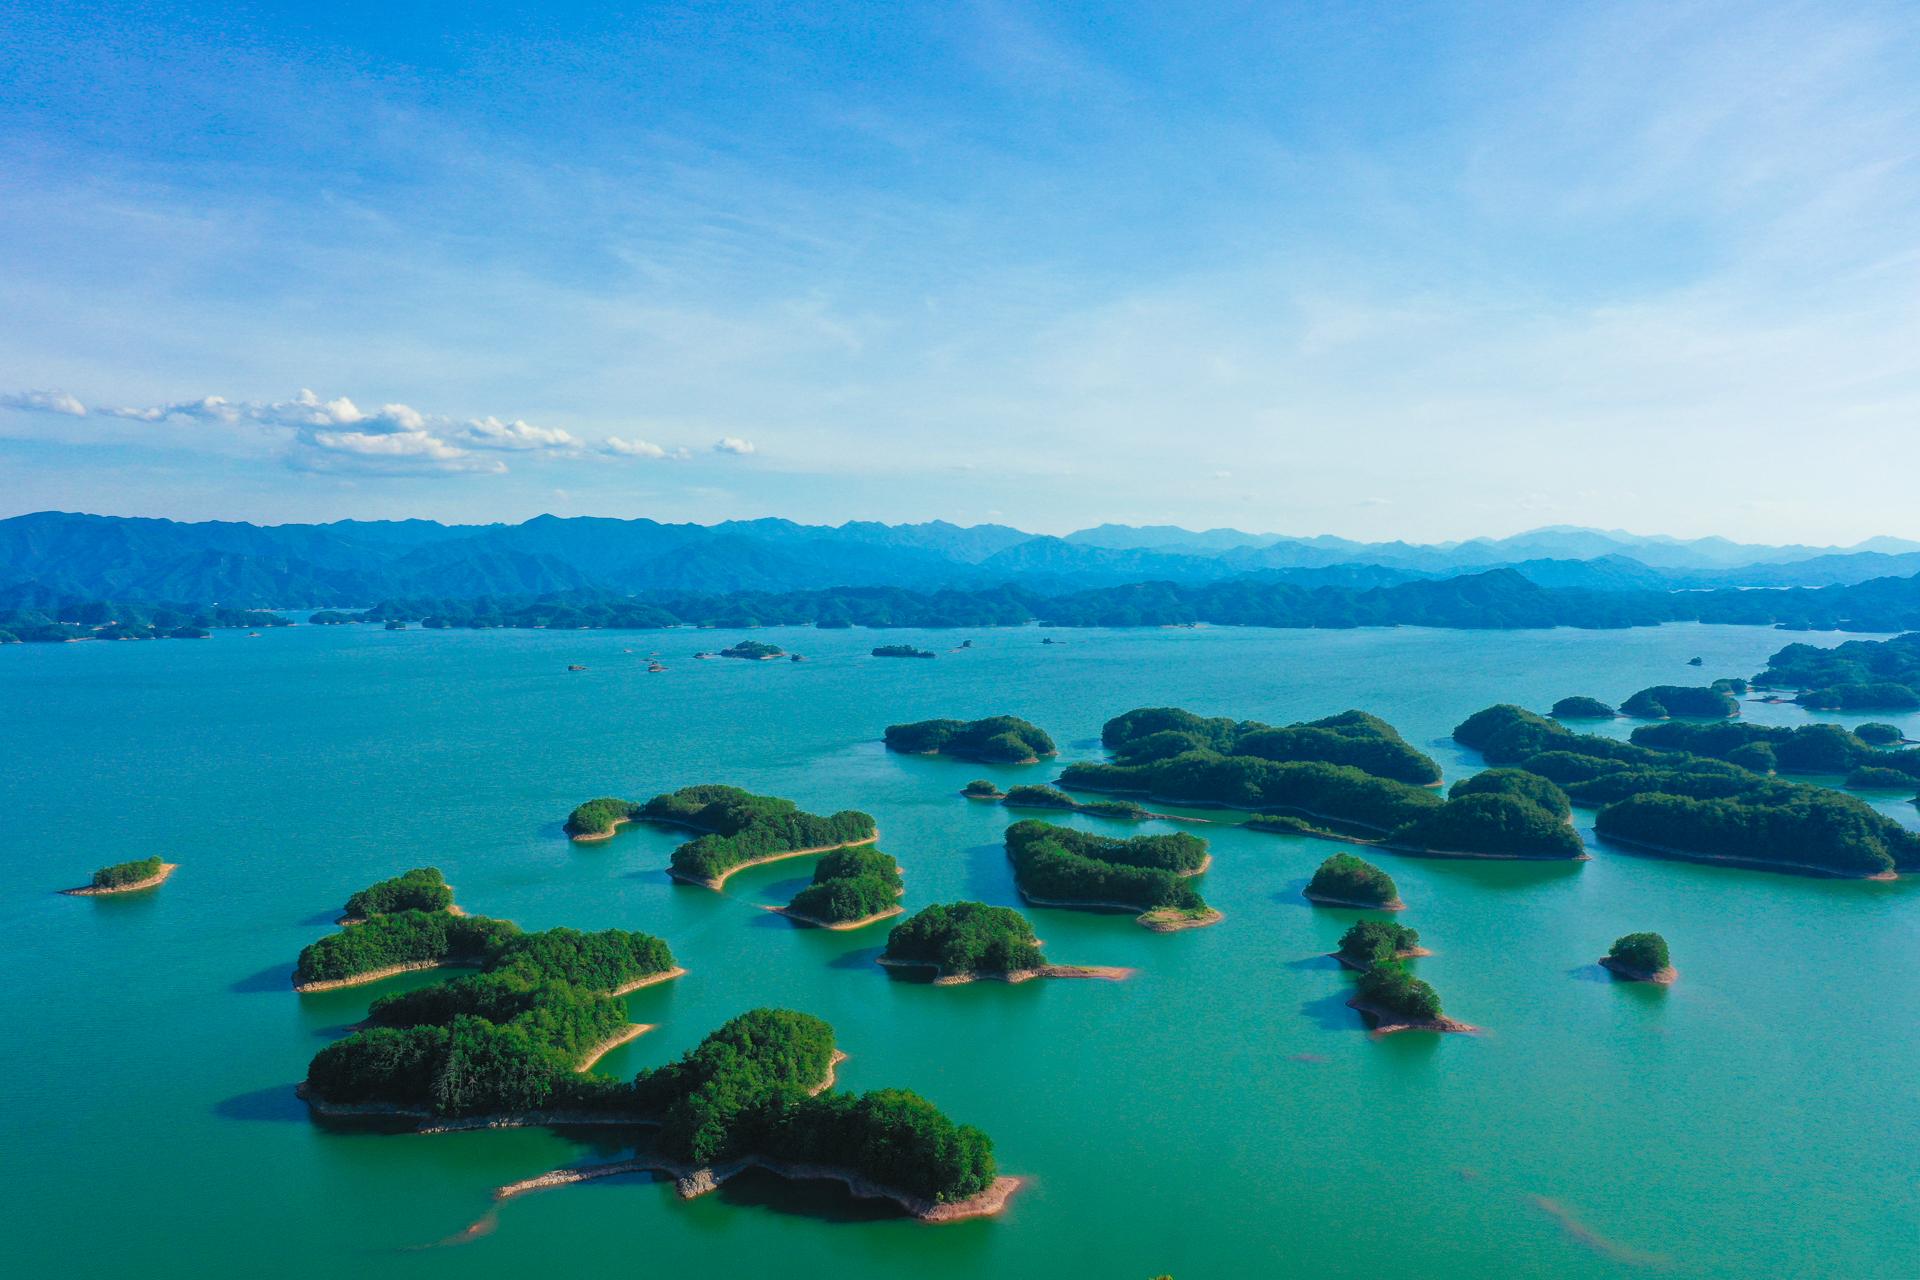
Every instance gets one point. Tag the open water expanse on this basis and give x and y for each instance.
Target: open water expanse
(1222, 1114)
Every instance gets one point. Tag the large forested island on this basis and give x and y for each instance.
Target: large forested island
(994, 740)
(737, 828)
(1664, 701)
(125, 877)
(1061, 867)
(1859, 675)
(754, 1093)
(852, 887)
(1675, 803)
(965, 941)
(1350, 776)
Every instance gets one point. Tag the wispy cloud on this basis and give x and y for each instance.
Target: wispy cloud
(43, 402)
(734, 445)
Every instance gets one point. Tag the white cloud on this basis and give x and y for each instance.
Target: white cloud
(491, 433)
(733, 445)
(44, 402)
(634, 448)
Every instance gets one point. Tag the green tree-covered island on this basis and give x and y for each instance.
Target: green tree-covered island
(1368, 944)
(1641, 957)
(1061, 867)
(125, 877)
(1346, 881)
(901, 651)
(421, 889)
(1392, 999)
(1671, 800)
(993, 740)
(852, 887)
(737, 829)
(964, 942)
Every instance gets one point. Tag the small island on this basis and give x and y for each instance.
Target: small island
(901, 651)
(1578, 708)
(852, 887)
(981, 789)
(740, 829)
(994, 740)
(1392, 999)
(969, 941)
(421, 889)
(1368, 944)
(599, 819)
(1641, 957)
(1346, 881)
(125, 877)
(1060, 867)
(754, 651)
(756, 1094)
(1663, 701)
(1874, 733)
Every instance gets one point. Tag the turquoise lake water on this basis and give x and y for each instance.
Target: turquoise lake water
(1222, 1114)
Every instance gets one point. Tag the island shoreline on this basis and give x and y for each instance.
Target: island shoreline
(107, 891)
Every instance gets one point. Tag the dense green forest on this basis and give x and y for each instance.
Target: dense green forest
(1351, 879)
(126, 873)
(124, 620)
(1675, 800)
(405, 937)
(753, 651)
(1581, 708)
(600, 817)
(994, 740)
(849, 884)
(1371, 943)
(739, 826)
(1663, 700)
(1147, 735)
(421, 889)
(1859, 675)
(1388, 985)
(1640, 952)
(1059, 864)
(900, 651)
(965, 938)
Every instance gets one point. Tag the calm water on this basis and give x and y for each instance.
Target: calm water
(1221, 1115)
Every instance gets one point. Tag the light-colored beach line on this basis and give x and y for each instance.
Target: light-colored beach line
(89, 891)
(633, 1031)
(715, 882)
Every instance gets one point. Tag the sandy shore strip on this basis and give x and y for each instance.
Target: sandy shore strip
(715, 882)
(1386, 1022)
(839, 926)
(633, 1031)
(88, 891)
(691, 1181)
(375, 975)
(1662, 977)
(1466, 855)
(589, 837)
(347, 922)
(1409, 953)
(649, 980)
(1103, 973)
(1328, 900)
(1158, 919)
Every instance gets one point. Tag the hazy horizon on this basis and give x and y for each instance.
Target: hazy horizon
(1423, 273)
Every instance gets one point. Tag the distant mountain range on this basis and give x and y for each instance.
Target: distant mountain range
(58, 555)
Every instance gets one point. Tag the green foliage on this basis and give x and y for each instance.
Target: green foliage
(893, 1137)
(753, 650)
(1877, 734)
(1770, 822)
(1646, 952)
(1126, 810)
(741, 827)
(1760, 757)
(1038, 797)
(849, 884)
(600, 817)
(404, 937)
(708, 1098)
(1388, 985)
(1506, 734)
(1492, 822)
(1368, 943)
(994, 740)
(1660, 701)
(1059, 864)
(1580, 708)
(1148, 735)
(902, 651)
(1880, 696)
(1352, 879)
(421, 889)
(1876, 778)
(125, 873)
(1516, 782)
(981, 789)
(1858, 674)
(1335, 793)
(966, 937)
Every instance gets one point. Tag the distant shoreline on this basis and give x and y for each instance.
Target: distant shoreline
(1013, 977)
(1753, 864)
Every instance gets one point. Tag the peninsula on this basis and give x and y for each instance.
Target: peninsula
(965, 942)
(1060, 867)
(852, 887)
(994, 740)
(1641, 957)
(125, 877)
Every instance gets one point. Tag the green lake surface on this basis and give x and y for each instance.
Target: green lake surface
(1222, 1114)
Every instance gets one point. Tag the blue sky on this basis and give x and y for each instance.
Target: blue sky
(1397, 270)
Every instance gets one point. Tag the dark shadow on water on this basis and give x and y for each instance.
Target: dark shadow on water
(1589, 973)
(276, 1102)
(337, 1031)
(782, 891)
(277, 978)
(1088, 744)
(1330, 1012)
(859, 958)
(1309, 963)
(989, 874)
(772, 920)
(822, 1199)
(320, 918)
